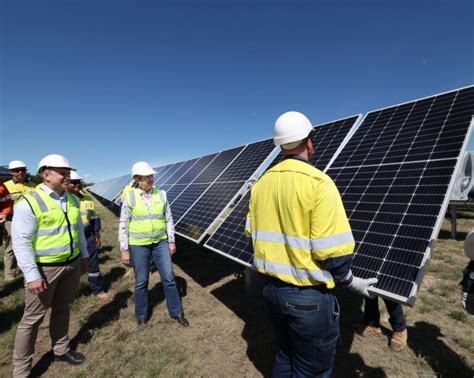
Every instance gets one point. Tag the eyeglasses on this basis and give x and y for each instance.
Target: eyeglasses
(18, 170)
(75, 183)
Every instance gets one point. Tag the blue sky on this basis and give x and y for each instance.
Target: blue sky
(108, 83)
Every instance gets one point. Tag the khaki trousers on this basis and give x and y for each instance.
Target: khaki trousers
(9, 260)
(63, 282)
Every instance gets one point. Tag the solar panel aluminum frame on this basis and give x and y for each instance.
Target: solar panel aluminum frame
(205, 233)
(249, 183)
(410, 301)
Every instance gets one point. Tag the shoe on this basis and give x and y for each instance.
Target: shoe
(102, 296)
(366, 330)
(142, 322)
(181, 320)
(398, 342)
(71, 357)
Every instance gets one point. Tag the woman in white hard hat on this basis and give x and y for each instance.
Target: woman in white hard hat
(146, 231)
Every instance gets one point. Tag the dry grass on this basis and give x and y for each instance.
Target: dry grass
(229, 334)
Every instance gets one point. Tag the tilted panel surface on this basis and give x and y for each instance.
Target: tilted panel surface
(204, 212)
(394, 176)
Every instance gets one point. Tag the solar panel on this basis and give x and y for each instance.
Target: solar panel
(191, 193)
(207, 209)
(229, 238)
(180, 171)
(394, 176)
(169, 173)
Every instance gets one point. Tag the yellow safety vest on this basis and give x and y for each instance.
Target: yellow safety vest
(88, 211)
(146, 227)
(17, 189)
(297, 220)
(56, 239)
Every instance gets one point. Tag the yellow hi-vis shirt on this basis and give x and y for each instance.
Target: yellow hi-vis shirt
(297, 220)
(17, 189)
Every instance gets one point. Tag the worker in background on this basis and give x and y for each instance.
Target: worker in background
(303, 243)
(51, 250)
(6, 208)
(92, 226)
(371, 322)
(146, 229)
(17, 186)
(128, 188)
(467, 293)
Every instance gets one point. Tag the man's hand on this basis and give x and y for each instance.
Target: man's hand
(84, 265)
(361, 286)
(3, 218)
(37, 286)
(98, 243)
(172, 248)
(126, 257)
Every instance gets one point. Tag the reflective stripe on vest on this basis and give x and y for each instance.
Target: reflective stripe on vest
(56, 239)
(302, 275)
(302, 243)
(146, 226)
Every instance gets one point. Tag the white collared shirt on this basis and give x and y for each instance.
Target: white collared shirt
(24, 226)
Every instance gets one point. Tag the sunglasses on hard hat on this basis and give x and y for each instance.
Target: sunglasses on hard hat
(18, 170)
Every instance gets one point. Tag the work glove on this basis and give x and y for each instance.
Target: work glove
(467, 284)
(361, 286)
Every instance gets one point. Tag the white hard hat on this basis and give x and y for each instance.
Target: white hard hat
(469, 245)
(75, 176)
(14, 164)
(142, 168)
(54, 161)
(290, 129)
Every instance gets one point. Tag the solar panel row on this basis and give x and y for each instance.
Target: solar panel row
(394, 172)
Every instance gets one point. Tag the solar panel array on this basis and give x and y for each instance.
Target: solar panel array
(216, 187)
(229, 238)
(394, 176)
(394, 172)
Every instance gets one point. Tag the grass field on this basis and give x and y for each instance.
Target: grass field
(229, 334)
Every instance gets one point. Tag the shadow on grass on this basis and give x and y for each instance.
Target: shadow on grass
(425, 340)
(446, 235)
(347, 363)
(259, 335)
(10, 317)
(103, 259)
(103, 316)
(105, 248)
(156, 295)
(113, 275)
(11, 287)
(204, 266)
(257, 332)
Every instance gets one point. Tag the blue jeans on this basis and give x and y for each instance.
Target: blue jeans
(160, 253)
(306, 323)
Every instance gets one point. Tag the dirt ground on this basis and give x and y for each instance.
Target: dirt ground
(229, 333)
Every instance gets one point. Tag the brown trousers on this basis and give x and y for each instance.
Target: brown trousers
(9, 260)
(63, 282)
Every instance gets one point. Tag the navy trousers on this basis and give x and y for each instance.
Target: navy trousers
(395, 312)
(95, 278)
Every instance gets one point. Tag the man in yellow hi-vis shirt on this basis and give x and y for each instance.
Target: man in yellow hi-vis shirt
(17, 186)
(303, 243)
